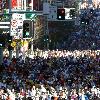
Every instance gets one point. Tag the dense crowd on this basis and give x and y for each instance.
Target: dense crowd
(87, 35)
(57, 74)
(52, 75)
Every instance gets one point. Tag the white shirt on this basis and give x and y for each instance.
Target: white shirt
(43, 89)
(33, 92)
(83, 97)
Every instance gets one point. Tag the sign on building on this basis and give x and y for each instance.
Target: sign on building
(17, 5)
(22, 5)
(18, 16)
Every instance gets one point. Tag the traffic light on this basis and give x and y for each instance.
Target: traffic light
(61, 14)
(27, 29)
(72, 12)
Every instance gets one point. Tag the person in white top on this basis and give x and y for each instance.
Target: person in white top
(11, 94)
(43, 89)
(33, 92)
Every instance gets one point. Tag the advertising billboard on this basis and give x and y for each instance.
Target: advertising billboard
(26, 5)
(17, 5)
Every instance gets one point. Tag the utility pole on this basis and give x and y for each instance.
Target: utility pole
(46, 30)
(32, 36)
(17, 49)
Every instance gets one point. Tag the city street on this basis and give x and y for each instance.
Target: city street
(49, 49)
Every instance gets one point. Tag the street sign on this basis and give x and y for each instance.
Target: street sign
(14, 27)
(14, 23)
(18, 16)
(30, 16)
(19, 29)
(17, 25)
(20, 23)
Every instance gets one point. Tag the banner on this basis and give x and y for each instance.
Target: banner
(17, 5)
(13, 4)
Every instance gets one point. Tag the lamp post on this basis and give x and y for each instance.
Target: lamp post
(46, 30)
(17, 49)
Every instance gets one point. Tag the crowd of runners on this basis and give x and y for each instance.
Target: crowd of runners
(52, 75)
